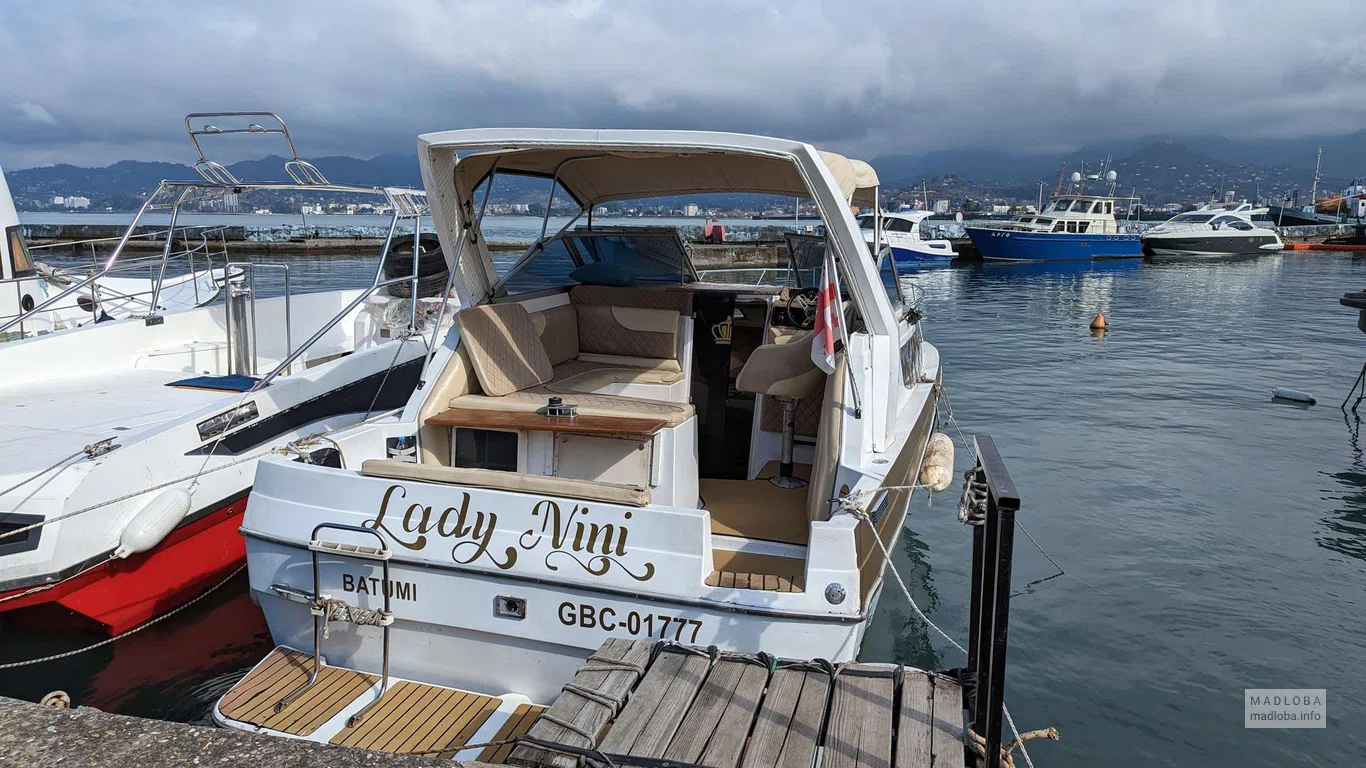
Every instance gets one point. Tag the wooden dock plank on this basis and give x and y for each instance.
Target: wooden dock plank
(587, 715)
(703, 717)
(788, 726)
(859, 734)
(842, 733)
(800, 749)
(727, 743)
(915, 721)
(947, 740)
(774, 718)
(652, 716)
(875, 736)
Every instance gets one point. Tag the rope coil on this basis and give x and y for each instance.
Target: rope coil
(332, 609)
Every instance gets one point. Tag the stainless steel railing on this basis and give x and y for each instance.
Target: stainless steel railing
(155, 264)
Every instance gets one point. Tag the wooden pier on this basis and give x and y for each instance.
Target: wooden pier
(638, 703)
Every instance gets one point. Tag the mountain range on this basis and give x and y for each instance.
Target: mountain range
(1160, 167)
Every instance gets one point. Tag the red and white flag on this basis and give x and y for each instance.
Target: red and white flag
(827, 317)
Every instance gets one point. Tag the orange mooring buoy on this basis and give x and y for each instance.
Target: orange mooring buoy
(1098, 322)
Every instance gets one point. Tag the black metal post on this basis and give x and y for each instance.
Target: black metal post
(993, 544)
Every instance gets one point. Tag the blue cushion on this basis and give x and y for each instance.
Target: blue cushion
(603, 273)
(222, 383)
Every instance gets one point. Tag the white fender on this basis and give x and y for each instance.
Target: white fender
(937, 471)
(154, 522)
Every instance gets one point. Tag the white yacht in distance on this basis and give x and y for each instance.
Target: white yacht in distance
(1214, 229)
(584, 468)
(128, 447)
(901, 232)
(26, 283)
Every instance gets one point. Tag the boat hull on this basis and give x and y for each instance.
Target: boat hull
(913, 256)
(1210, 247)
(121, 594)
(1011, 245)
(533, 655)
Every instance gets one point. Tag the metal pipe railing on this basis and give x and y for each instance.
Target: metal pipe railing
(113, 257)
(329, 325)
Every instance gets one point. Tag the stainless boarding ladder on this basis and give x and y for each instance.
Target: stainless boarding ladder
(319, 606)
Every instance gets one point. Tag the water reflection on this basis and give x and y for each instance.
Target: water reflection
(897, 633)
(1346, 526)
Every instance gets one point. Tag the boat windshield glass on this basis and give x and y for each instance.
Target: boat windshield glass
(807, 259)
(629, 255)
(1197, 218)
(865, 222)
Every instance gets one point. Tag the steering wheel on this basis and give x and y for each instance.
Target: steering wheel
(801, 308)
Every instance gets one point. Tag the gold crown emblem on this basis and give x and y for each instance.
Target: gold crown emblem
(720, 332)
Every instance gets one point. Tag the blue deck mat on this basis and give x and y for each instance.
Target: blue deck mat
(224, 383)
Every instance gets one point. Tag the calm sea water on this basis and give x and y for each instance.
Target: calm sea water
(1221, 536)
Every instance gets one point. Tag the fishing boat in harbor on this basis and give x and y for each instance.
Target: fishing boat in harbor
(130, 445)
(25, 283)
(901, 232)
(1213, 230)
(1074, 226)
(606, 446)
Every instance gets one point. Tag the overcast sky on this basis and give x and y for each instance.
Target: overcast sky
(94, 81)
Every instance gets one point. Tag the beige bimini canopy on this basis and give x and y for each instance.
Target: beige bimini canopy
(596, 175)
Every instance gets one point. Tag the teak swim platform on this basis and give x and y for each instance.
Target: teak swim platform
(633, 702)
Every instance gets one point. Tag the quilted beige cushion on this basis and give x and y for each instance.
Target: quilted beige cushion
(806, 419)
(504, 349)
(559, 332)
(588, 376)
(612, 296)
(628, 331)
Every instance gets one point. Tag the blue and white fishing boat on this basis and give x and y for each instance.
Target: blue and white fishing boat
(901, 233)
(1074, 227)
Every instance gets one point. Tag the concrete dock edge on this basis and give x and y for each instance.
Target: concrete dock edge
(32, 735)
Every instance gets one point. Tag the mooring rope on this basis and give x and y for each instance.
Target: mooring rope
(906, 592)
(134, 630)
(134, 494)
(93, 450)
(334, 609)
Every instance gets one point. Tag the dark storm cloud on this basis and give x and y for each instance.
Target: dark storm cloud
(93, 82)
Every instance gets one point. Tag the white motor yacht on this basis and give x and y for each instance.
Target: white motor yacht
(606, 446)
(1214, 229)
(25, 283)
(901, 232)
(129, 446)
